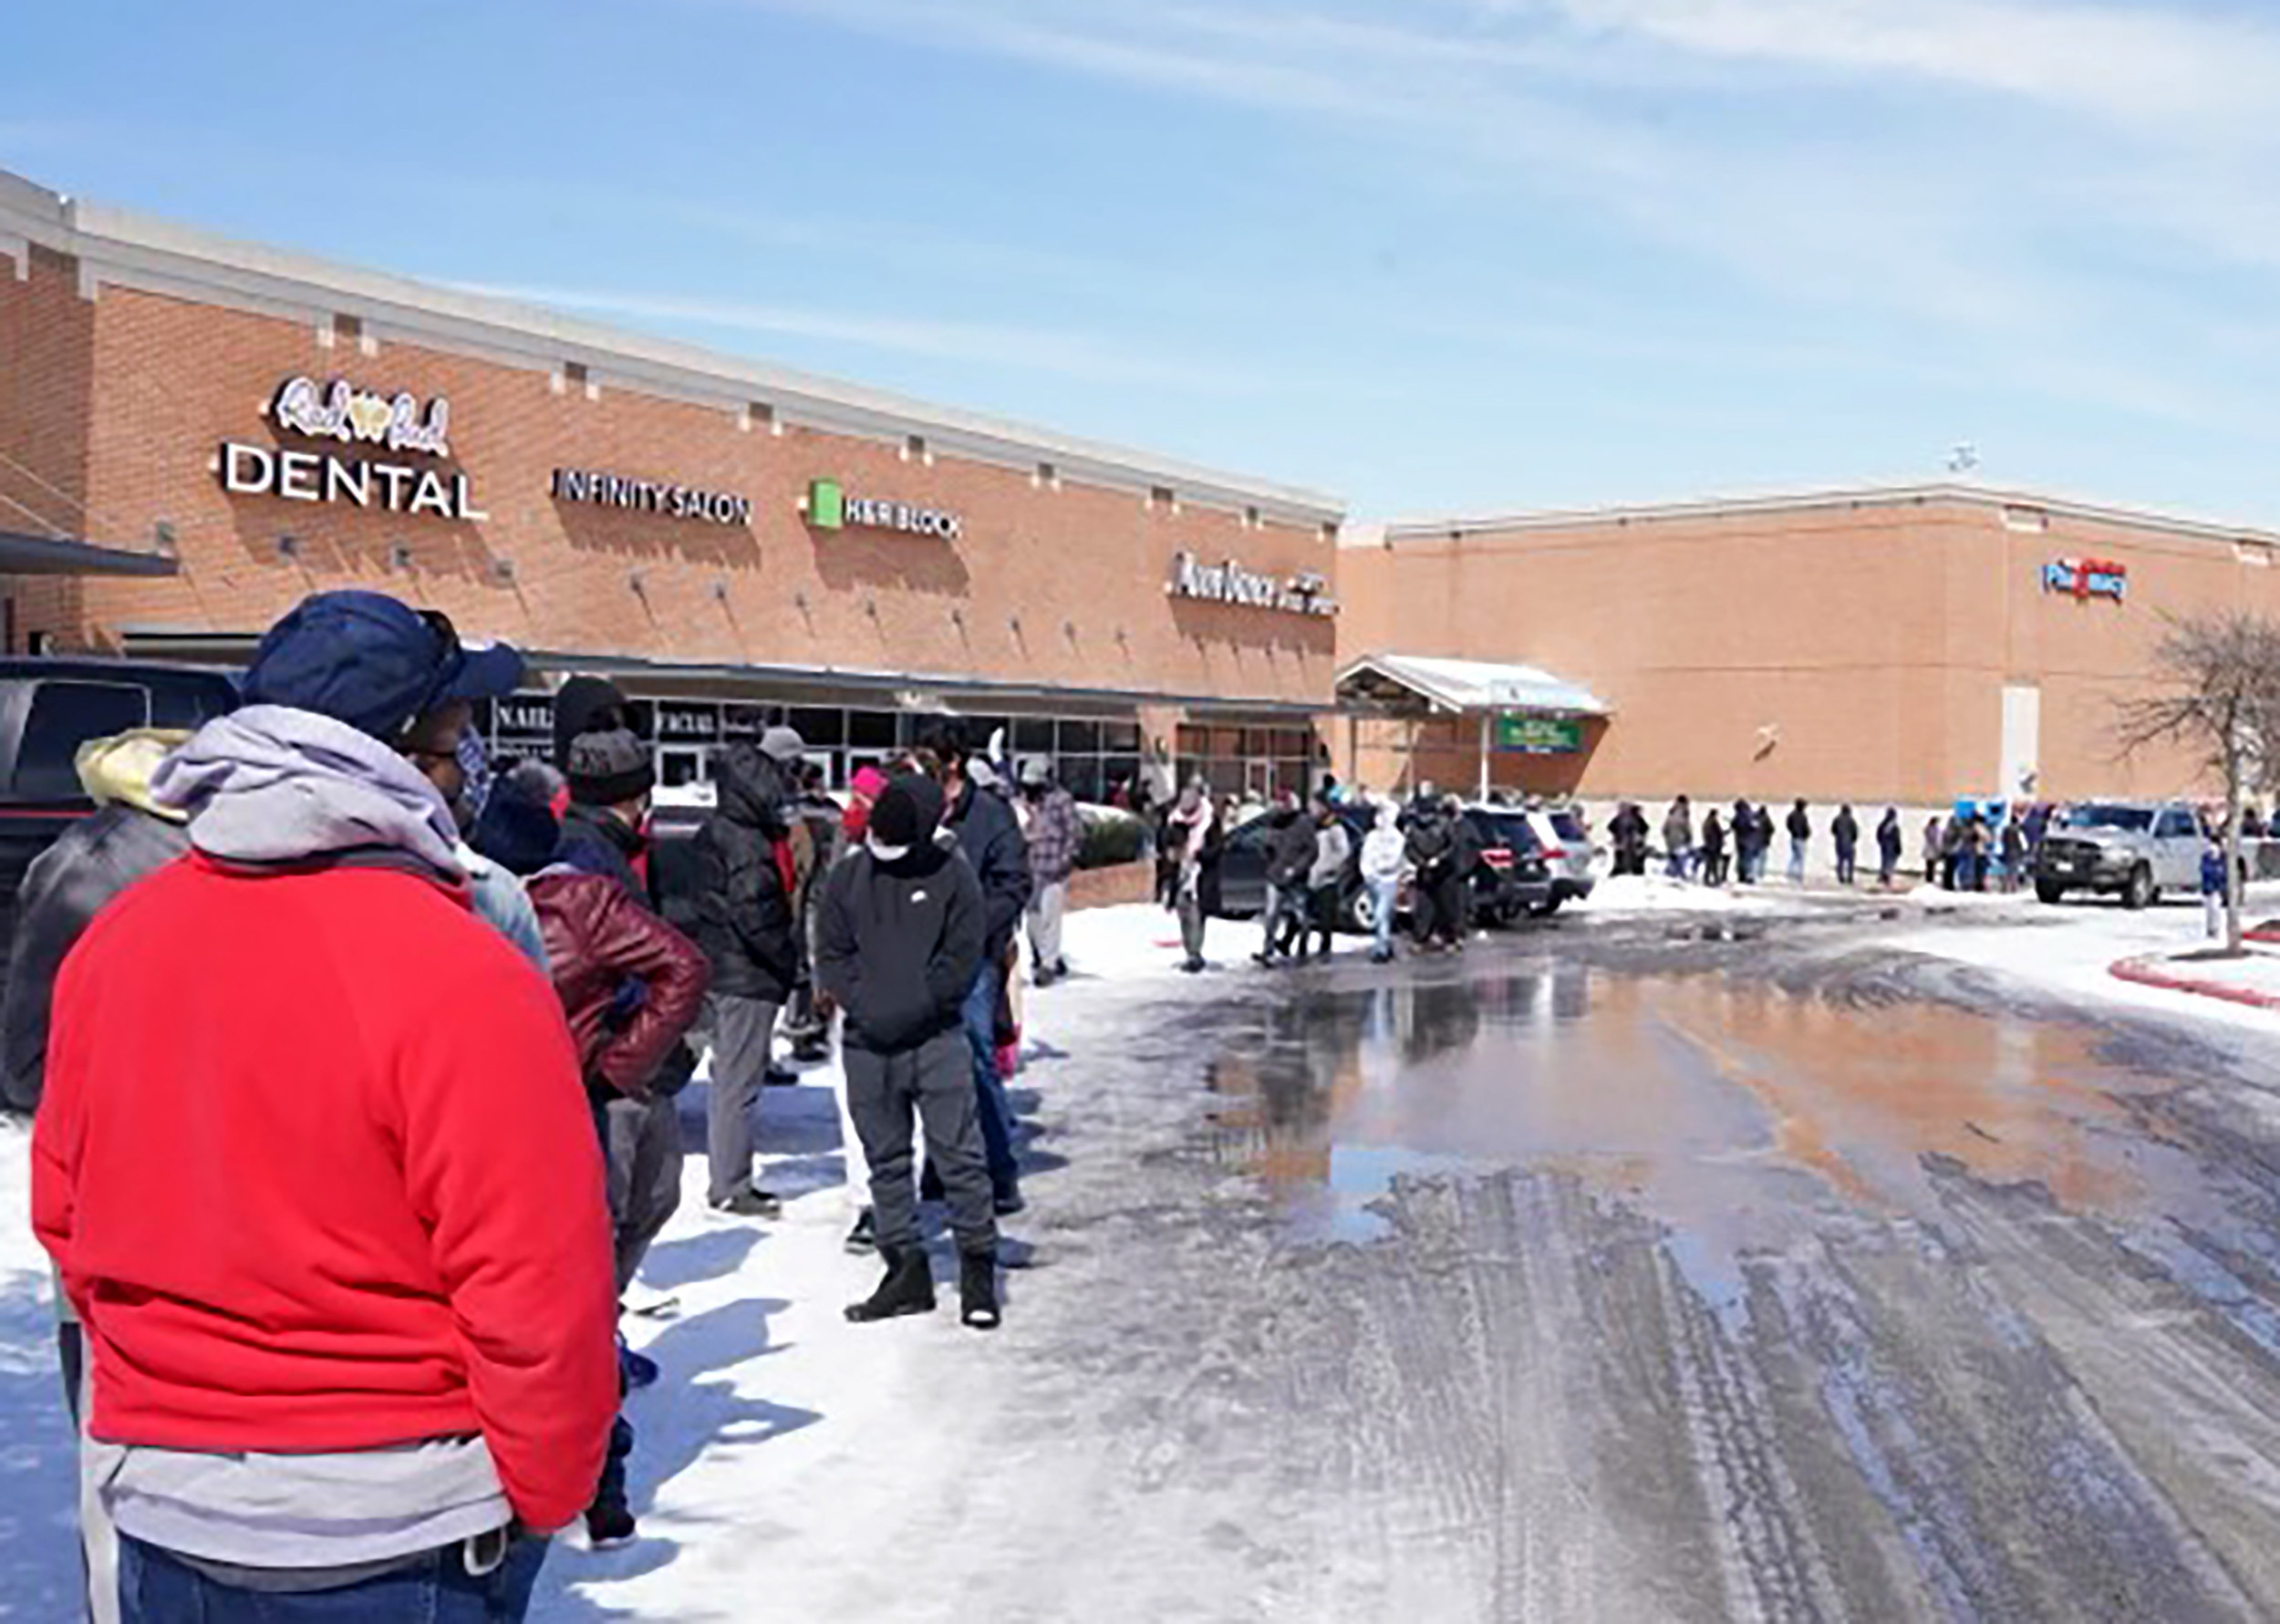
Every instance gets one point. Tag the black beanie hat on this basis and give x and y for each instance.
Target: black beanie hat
(610, 768)
(907, 812)
(517, 830)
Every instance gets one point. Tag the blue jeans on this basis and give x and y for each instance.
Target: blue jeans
(996, 1111)
(157, 1588)
(1383, 895)
(1797, 862)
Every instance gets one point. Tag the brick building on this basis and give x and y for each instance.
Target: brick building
(1905, 646)
(730, 539)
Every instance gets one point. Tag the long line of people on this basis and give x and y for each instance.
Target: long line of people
(355, 1068)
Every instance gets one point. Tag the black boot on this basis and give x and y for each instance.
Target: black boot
(909, 1288)
(978, 1289)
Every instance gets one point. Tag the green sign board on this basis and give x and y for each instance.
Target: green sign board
(827, 504)
(1540, 735)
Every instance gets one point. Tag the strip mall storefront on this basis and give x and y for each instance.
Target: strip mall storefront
(1892, 645)
(735, 544)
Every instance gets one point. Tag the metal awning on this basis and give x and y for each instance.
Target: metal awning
(820, 685)
(1424, 685)
(22, 554)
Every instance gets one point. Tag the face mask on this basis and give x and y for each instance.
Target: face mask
(885, 853)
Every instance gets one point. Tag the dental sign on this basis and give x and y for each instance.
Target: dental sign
(2085, 578)
(398, 425)
(1230, 582)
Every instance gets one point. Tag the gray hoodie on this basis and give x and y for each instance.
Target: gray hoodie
(269, 784)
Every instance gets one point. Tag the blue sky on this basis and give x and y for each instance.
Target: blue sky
(1435, 255)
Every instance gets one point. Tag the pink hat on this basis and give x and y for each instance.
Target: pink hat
(867, 782)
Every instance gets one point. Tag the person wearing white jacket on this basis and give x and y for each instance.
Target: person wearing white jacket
(1385, 858)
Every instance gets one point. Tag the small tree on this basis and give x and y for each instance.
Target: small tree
(2223, 668)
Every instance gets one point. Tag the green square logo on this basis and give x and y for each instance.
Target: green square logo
(827, 504)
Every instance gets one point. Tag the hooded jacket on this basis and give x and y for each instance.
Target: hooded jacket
(991, 837)
(898, 945)
(1384, 852)
(314, 1160)
(1290, 846)
(744, 917)
(1334, 847)
(598, 938)
(69, 883)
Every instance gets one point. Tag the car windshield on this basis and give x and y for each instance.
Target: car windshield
(1568, 826)
(2137, 818)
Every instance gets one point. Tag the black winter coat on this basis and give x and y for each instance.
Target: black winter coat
(745, 921)
(1290, 849)
(1800, 826)
(898, 945)
(68, 885)
(990, 837)
(1846, 831)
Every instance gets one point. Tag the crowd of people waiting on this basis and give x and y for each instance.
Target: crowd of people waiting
(356, 1064)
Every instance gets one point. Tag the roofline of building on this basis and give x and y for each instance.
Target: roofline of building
(1867, 496)
(120, 247)
(227, 648)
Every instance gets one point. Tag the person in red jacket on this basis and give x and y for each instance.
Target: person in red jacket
(631, 987)
(316, 1168)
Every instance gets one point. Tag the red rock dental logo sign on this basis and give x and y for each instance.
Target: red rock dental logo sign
(339, 411)
(1306, 593)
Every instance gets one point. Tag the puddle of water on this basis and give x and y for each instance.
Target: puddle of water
(1740, 1114)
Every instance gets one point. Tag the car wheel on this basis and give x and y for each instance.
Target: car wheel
(1545, 909)
(2140, 892)
(1361, 913)
(2049, 892)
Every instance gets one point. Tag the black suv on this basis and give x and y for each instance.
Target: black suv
(49, 708)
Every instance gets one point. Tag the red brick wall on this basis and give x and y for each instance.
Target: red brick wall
(46, 386)
(160, 382)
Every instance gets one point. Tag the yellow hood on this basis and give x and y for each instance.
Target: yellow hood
(119, 768)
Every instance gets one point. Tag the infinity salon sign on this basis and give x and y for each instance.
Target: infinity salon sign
(354, 418)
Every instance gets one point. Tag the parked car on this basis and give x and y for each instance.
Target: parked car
(1512, 880)
(2133, 848)
(1243, 871)
(1566, 847)
(49, 708)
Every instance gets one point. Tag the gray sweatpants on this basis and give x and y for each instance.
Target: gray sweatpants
(1047, 904)
(742, 1028)
(645, 1177)
(934, 1082)
(98, 1538)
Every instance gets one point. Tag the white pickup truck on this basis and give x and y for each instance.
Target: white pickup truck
(2136, 849)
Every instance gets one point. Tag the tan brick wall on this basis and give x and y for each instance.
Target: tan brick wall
(159, 383)
(1877, 639)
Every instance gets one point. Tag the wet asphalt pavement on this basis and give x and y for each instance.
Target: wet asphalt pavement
(1641, 1272)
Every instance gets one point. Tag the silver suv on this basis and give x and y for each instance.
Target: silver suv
(1567, 847)
(2136, 849)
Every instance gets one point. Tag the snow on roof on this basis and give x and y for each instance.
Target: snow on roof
(1472, 685)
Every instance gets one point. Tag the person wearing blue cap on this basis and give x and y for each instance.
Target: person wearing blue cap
(293, 1083)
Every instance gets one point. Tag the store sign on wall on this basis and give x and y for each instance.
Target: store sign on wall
(827, 506)
(1540, 735)
(2085, 578)
(341, 412)
(650, 496)
(1306, 593)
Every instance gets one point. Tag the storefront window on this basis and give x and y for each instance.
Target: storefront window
(820, 726)
(1080, 738)
(1033, 735)
(869, 729)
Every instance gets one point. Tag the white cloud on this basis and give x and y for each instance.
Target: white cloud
(1940, 160)
(1021, 348)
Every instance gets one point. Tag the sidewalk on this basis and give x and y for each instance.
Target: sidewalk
(2252, 981)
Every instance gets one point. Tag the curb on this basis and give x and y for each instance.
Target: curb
(2143, 972)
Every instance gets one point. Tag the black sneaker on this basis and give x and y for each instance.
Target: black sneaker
(608, 1526)
(865, 1236)
(1008, 1201)
(638, 1370)
(750, 1201)
(780, 1077)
